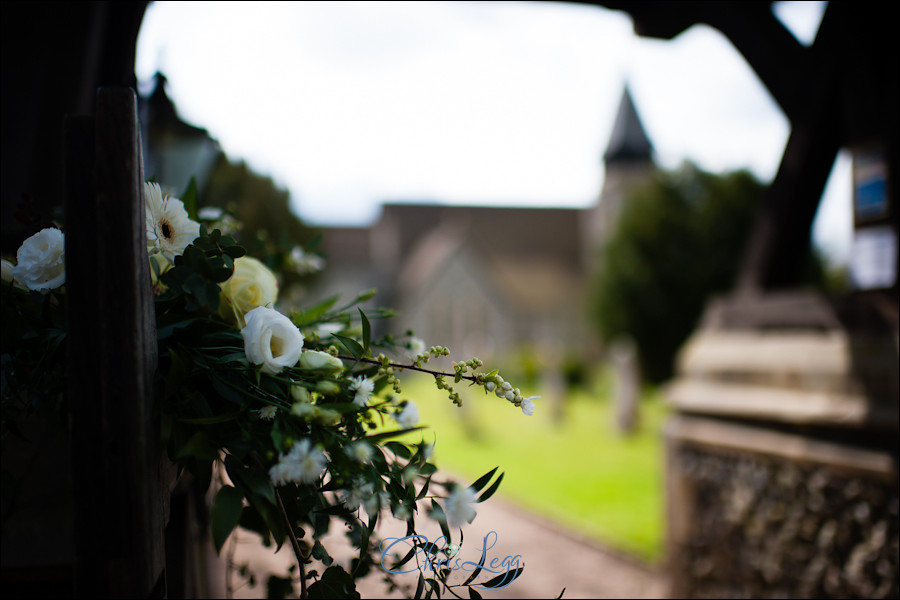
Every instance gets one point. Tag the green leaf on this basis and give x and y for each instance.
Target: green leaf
(475, 573)
(351, 345)
(490, 491)
(365, 295)
(256, 482)
(314, 312)
(225, 514)
(400, 449)
(279, 587)
(502, 580)
(335, 583)
(270, 516)
(212, 420)
(437, 513)
(366, 331)
(424, 490)
(251, 520)
(189, 198)
(199, 447)
(483, 480)
(388, 434)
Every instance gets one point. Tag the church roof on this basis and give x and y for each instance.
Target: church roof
(629, 141)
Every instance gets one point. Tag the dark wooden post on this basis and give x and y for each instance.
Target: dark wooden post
(121, 498)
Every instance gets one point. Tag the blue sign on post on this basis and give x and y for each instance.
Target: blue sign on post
(870, 200)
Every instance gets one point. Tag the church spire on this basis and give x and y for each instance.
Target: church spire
(628, 142)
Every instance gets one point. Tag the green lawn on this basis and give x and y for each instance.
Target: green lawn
(580, 473)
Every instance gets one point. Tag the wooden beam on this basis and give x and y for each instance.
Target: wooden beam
(119, 507)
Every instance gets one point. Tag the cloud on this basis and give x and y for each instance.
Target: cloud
(351, 103)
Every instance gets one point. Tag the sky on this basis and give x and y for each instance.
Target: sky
(351, 104)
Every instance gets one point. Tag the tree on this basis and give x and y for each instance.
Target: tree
(270, 229)
(679, 240)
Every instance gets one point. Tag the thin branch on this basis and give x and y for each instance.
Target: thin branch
(373, 361)
(295, 544)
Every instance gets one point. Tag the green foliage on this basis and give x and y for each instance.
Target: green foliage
(679, 240)
(206, 263)
(265, 223)
(292, 446)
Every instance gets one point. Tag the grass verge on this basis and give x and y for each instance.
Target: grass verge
(577, 471)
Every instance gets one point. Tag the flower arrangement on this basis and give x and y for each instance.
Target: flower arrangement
(301, 408)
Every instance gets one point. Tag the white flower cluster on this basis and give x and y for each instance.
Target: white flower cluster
(305, 263)
(458, 507)
(363, 388)
(303, 464)
(267, 413)
(408, 416)
(503, 389)
(362, 493)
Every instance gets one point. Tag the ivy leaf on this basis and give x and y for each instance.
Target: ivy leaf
(225, 514)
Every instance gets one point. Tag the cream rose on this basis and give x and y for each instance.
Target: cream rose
(41, 261)
(250, 286)
(271, 340)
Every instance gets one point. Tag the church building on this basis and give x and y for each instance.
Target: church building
(486, 280)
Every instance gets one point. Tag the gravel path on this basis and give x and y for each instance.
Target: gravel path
(554, 559)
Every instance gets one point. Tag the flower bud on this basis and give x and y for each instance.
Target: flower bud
(304, 410)
(327, 388)
(320, 361)
(328, 417)
(299, 393)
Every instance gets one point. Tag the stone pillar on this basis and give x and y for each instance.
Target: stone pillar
(782, 473)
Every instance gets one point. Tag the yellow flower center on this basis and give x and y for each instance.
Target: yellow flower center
(276, 345)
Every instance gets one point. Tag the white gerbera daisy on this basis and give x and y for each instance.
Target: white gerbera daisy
(169, 229)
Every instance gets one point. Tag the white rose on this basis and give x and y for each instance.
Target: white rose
(271, 340)
(41, 261)
(250, 286)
